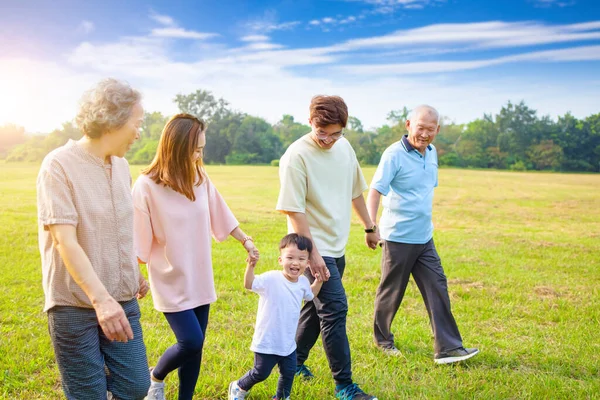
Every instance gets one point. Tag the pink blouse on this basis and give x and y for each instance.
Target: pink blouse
(173, 235)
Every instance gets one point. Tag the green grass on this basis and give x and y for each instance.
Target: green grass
(521, 252)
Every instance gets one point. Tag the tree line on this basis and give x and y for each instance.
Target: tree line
(516, 138)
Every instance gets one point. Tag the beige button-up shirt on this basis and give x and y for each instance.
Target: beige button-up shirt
(77, 188)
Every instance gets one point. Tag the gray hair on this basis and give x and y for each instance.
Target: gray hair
(105, 107)
(424, 108)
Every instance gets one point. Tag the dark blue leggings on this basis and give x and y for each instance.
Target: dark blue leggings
(189, 327)
(263, 365)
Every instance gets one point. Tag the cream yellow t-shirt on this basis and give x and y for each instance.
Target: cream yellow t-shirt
(321, 184)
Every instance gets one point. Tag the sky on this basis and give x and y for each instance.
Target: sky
(268, 58)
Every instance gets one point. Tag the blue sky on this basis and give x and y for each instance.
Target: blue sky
(267, 58)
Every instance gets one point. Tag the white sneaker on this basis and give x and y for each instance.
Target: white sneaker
(235, 392)
(157, 389)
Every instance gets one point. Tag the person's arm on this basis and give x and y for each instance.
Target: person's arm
(301, 227)
(373, 199)
(247, 242)
(371, 238)
(315, 287)
(111, 317)
(249, 274)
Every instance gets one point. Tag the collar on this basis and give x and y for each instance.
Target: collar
(408, 147)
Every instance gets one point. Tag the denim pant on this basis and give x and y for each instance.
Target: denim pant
(326, 315)
(263, 365)
(189, 327)
(398, 262)
(83, 351)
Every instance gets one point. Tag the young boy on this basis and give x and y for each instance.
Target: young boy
(281, 294)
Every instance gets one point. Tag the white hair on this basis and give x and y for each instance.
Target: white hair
(105, 107)
(424, 108)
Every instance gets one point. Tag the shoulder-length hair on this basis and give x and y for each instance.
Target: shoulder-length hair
(173, 165)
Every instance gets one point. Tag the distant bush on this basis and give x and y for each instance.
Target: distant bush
(518, 166)
(275, 163)
(236, 158)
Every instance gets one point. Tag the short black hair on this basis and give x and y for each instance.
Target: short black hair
(301, 242)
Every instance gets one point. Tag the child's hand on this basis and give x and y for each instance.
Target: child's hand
(319, 278)
(251, 262)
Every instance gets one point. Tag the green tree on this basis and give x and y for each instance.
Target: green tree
(289, 130)
(255, 137)
(203, 105)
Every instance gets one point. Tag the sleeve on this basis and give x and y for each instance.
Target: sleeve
(386, 171)
(222, 220)
(308, 294)
(437, 167)
(55, 196)
(359, 184)
(142, 222)
(293, 184)
(260, 284)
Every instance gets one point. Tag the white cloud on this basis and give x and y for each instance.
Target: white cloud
(264, 79)
(270, 27)
(163, 19)
(494, 34)
(315, 22)
(584, 53)
(255, 38)
(263, 46)
(86, 27)
(328, 20)
(550, 3)
(269, 23)
(390, 6)
(180, 33)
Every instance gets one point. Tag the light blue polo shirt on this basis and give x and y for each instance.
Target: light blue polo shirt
(406, 179)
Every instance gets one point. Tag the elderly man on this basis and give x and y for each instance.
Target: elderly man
(406, 176)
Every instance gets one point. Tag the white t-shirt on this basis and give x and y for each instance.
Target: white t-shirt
(278, 312)
(321, 183)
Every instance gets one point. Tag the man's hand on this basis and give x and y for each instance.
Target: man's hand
(143, 291)
(113, 320)
(372, 239)
(318, 267)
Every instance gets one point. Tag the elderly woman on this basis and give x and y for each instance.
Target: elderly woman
(91, 277)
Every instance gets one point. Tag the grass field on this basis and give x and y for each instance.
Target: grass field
(521, 252)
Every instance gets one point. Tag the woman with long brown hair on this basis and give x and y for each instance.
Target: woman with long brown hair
(177, 210)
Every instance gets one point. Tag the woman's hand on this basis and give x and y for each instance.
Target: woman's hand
(253, 253)
(143, 291)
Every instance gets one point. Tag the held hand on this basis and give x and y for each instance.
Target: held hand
(252, 250)
(319, 278)
(143, 291)
(113, 321)
(318, 267)
(372, 239)
(250, 262)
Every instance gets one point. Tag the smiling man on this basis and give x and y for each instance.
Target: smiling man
(321, 181)
(406, 176)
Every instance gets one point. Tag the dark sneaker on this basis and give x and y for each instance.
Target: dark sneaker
(303, 372)
(353, 392)
(455, 355)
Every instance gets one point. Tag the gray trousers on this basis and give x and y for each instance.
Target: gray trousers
(83, 353)
(398, 262)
